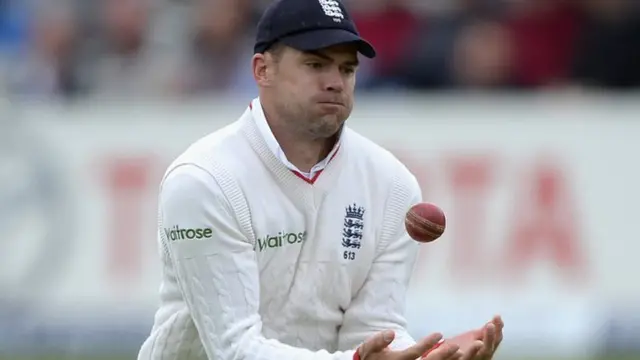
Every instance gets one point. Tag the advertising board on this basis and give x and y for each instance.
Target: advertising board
(540, 202)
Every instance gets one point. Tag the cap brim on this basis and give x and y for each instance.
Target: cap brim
(324, 38)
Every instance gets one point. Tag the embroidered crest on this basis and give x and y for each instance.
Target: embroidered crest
(332, 9)
(353, 227)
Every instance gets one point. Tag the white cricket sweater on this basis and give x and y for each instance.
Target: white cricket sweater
(260, 264)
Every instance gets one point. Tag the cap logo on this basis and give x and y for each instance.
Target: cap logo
(332, 9)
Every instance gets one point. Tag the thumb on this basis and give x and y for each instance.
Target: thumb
(376, 343)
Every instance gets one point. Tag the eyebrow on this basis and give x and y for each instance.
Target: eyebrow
(329, 58)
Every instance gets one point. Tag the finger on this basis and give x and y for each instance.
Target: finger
(488, 340)
(458, 355)
(474, 350)
(421, 347)
(497, 320)
(437, 345)
(444, 352)
(376, 343)
(499, 337)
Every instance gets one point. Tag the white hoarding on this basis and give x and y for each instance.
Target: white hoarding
(541, 202)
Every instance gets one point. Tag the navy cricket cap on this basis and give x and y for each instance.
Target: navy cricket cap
(308, 25)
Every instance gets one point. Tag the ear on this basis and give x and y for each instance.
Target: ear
(260, 64)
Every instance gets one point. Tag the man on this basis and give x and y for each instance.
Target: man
(283, 234)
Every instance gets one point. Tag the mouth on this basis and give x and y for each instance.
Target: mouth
(334, 103)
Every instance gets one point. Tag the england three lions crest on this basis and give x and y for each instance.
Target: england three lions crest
(353, 227)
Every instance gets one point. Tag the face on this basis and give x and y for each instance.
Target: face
(54, 35)
(221, 21)
(125, 22)
(311, 91)
(482, 55)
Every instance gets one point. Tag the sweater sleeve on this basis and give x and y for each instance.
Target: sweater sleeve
(217, 270)
(380, 303)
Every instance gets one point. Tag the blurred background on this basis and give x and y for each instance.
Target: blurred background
(519, 118)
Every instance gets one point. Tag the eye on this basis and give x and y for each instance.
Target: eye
(314, 65)
(348, 70)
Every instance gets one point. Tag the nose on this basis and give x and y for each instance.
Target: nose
(334, 80)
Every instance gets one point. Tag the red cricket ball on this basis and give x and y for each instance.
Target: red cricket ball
(425, 222)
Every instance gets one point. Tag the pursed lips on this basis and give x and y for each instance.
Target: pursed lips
(331, 103)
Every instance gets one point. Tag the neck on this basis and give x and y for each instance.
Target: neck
(302, 151)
